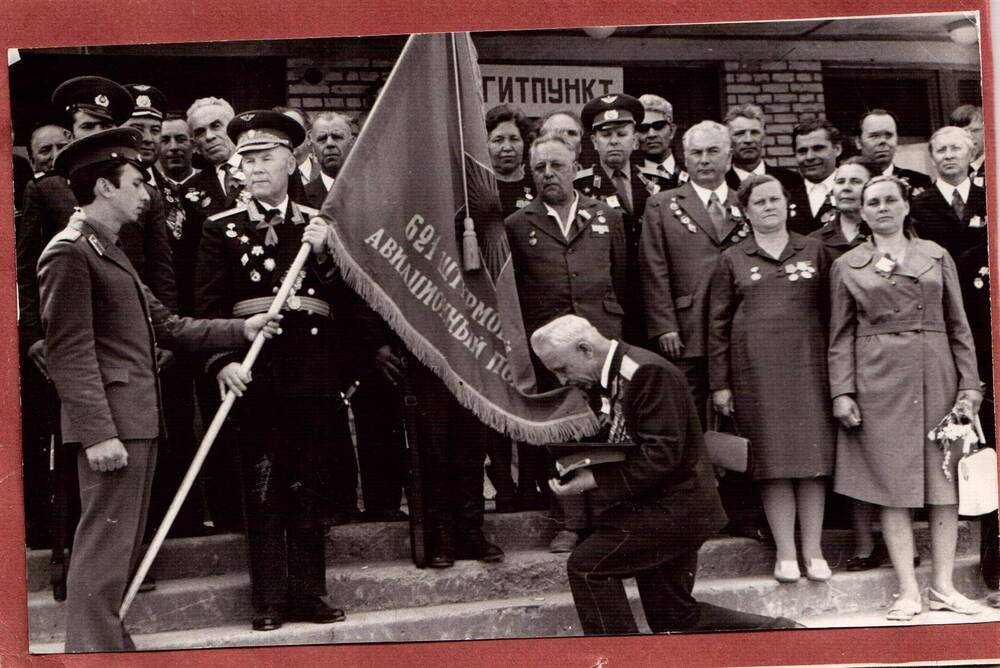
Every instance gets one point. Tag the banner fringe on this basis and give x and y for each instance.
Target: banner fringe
(568, 428)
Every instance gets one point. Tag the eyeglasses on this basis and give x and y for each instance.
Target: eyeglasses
(656, 125)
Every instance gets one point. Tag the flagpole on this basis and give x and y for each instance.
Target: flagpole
(470, 246)
(213, 430)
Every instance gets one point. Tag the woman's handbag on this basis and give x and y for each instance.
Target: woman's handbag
(728, 451)
(977, 478)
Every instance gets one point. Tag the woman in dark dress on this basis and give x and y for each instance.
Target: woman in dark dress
(767, 368)
(507, 130)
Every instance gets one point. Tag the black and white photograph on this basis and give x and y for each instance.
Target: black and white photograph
(589, 331)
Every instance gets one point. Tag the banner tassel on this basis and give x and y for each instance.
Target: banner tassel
(470, 246)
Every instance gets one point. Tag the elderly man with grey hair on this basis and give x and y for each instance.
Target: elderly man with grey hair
(220, 182)
(952, 212)
(653, 509)
(684, 232)
(748, 133)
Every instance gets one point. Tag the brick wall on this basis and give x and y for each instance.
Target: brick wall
(347, 86)
(788, 91)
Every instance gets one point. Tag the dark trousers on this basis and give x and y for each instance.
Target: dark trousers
(107, 548)
(664, 568)
(378, 426)
(177, 450)
(739, 496)
(989, 546)
(287, 452)
(452, 451)
(219, 476)
(39, 421)
(499, 449)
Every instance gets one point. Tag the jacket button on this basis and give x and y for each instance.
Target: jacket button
(896, 309)
(574, 275)
(920, 307)
(314, 331)
(569, 251)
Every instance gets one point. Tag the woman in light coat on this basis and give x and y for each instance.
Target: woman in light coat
(901, 355)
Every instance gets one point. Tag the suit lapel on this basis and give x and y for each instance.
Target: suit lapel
(582, 221)
(539, 218)
(691, 204)
(917, 260)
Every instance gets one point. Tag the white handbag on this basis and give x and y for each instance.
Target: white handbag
(977, 478)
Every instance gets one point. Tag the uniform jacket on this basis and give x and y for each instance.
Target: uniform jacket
(800, 218)
(583, 275)
(48, 205)
(786, 177)
(185, 205)
(679, 251)
(666, 477)
(595, 182)
(101, 326)
(934, 219)
(235, 264)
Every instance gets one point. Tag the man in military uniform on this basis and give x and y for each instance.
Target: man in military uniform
(817, 148)
(101, 328)
(569, 253)
(177, 370)
(85, 105)
(655, 135)
(289, 436)
(878, 140)
(747, 132)
(611, 121)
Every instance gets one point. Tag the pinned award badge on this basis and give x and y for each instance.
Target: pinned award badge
(613, 202)
(231, 234)
(755, 273)
(976, 221)
(885, 265)
(599, 229)
(255, 276)
(244, 259)
(269, 264)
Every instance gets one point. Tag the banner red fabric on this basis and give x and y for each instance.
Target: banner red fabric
(397, 214)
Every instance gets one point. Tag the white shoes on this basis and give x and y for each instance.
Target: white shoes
(818, 570)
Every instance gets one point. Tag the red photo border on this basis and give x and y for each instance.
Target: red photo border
(37, 23)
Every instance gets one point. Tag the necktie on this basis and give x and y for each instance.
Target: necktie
(957, 204)
(622, 187)
(272, 217)
(717, 215)
(662, 169)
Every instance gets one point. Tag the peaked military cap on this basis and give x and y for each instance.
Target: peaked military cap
(149, 101)
(119, 145)
(264, 129)
(96, 95)
(619, 108)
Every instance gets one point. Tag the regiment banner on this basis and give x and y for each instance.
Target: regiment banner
(397, 215)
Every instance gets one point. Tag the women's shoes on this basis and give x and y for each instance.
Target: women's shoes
(818, 570)
(787, 571)
(954, 603)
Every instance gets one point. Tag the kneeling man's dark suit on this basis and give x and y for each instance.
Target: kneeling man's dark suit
(653, 510)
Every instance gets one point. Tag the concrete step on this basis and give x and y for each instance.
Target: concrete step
(383, 542)
(849, 599)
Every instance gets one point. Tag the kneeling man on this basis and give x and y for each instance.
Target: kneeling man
(653, 510)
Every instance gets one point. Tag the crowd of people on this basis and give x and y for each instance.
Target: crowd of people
(823, 313)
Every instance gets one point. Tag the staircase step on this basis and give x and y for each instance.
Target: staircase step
(850, 599)
(383, 542)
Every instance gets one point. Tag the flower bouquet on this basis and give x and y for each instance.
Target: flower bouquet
(957, 426)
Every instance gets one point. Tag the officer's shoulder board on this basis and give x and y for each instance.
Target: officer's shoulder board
(584, 174)
(239, 208)
(628, 367)
(68, 234)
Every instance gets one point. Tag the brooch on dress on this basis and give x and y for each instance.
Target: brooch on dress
(797, 270)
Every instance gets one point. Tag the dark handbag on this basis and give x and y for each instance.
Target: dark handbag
(725, 450)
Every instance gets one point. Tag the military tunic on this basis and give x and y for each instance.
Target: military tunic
(295, 456)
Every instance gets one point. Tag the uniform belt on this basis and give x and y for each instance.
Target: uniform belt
(310, 305)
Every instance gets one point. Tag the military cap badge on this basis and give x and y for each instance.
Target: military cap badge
(609, 99)
(143, 101)
(102, 100)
